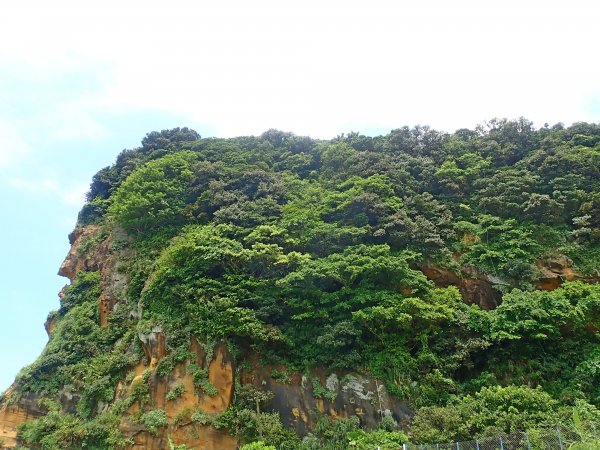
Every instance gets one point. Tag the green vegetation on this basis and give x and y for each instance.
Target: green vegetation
(60, 430)
(319, 391)
(490, 411)
(201, 380)
(346, 433)
(153, 420)
(310, 253)
(258, 446)
(200, 417)
(176, 391)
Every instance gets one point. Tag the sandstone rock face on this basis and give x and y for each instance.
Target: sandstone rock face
(182, 429)
(480, 289)
(11, 416)
(195, 437)
(76, 260)
(154, 345)
(340, 395)
(476, 289)
(350, 394)
(295, 400)
(49, 325)
(555, 271)
(298, 398)
(104, 258)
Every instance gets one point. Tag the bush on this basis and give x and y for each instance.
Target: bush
(176, 391)
(154, 195)
(58, 430)
(153, 420)
(490, 411)
(380, 439)
(257, 446)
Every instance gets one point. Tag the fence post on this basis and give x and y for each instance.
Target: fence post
(527, 440)
(457, 446)
(477, 444)
(560, 442)
(403, 446)
(501, 443)
(437, 446)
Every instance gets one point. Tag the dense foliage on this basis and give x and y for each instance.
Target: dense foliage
(309, 251)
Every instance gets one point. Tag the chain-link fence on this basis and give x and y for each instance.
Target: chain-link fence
(549, 439)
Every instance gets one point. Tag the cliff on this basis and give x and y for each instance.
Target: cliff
(293, 398)
(299, 398)
(309, 294)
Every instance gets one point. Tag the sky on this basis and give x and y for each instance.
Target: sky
(82, 80)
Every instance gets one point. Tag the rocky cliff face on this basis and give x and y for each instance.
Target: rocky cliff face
(484, 290)
(182, 428)
(555, 271)
(14, 414)
(295, 398)
(298, 397)
(90, 251)
(475, 289)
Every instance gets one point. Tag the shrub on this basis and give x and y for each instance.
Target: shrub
(490, 411)
(176, 391)
(153, 420)
(259, 445)
(154, 195)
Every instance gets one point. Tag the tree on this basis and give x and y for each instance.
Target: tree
(154, 195)
(490, 411)
(168, 139)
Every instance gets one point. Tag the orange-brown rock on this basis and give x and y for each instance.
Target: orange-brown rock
(104, 307)
(221, 375)
(475, 288)
(555, 271)
(92, 251)
(182, 430)
(194, 436)
(76, 260)
(50, 324)
(11, 416)
(154, 345)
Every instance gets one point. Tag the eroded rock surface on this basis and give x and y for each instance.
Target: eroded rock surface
(182, 429)
(298, 398)
(555, 271)
(342, 394)
(475, 289)
(104, 258)
(13, 415)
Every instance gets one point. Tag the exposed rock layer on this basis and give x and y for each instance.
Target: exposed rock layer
(295, 397)
(475, 289)
(13, 415)
(555, 271)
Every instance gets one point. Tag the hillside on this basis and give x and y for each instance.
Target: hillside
(331, 294)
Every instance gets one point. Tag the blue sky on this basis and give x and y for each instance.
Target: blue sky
(82, 80)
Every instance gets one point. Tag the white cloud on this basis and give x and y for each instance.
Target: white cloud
(72, 195)
(75, 195)
(73, 121)
(315, 67)
(12, 146)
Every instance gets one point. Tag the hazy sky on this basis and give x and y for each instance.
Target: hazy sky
(81, 80)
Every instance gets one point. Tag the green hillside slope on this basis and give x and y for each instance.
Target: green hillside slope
(459, 270)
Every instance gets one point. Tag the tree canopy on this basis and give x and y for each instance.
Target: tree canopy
(313, 253)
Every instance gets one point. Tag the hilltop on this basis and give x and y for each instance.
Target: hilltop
(310, 294)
